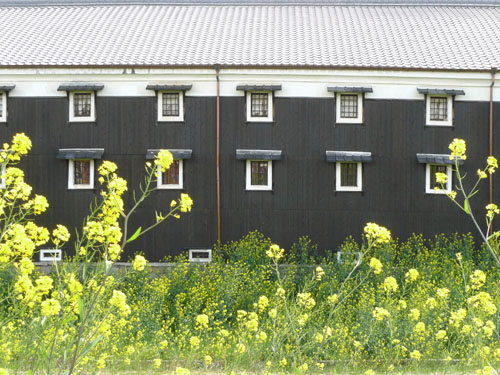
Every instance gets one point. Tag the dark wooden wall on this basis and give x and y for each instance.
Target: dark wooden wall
(303, 200)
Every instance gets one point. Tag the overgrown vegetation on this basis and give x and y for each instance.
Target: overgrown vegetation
(386, 307)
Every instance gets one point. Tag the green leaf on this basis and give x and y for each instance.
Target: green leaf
(135, 235)
(466, 206)
(90, 345)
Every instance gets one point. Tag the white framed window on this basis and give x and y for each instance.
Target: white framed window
(259, 106)
(81, 106)
(81, 174)
(50, 255)
(259, 175)
(3, 106)
(430, 178)
(349, 176)
(439, 110)
(172, 178)
(170, 106)
(349, 108)
(200, 255)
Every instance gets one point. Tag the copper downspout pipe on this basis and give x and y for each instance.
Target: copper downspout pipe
(493, 71)
(217, 69)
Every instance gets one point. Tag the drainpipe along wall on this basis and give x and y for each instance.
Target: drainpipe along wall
(217, 69)
(493, 72)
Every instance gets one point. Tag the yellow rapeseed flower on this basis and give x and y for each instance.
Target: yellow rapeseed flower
(492, 164)
(380, 313)
(390, 284)
(50, 307)
(202, 321)
(275, 252)
(441, 178)
(411, 275)
(139, 263)
(164, 160)
(377, 234)
(416, 355)
(492, 210)
(458, 149)
(186, 203)
(376, 265)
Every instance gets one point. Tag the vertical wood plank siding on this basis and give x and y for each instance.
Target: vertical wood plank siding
(303, 200)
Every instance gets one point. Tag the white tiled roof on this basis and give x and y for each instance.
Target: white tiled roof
(390, 36)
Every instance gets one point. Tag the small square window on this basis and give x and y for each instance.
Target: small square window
(259, 175)
(259, 106)
(81, 174)
(172, 178)
(349, 108)
(439, 110)
(3, 107)
(81, 106)
(170, 106)
(430, 178)
(349, 176)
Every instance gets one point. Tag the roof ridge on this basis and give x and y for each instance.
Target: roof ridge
(217, 3)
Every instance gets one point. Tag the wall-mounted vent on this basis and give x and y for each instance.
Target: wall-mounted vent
(349, 257)
(50, 255)
(200, 255)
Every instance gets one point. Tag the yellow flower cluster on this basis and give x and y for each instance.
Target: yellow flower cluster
(275, 253)
(492, 210)
(185, 203)
(412, 275)
(458, 149)
(483, 302)
(441, 178)
(491, 164)
(60, 235)
(319, 273)
(262, 303)
(50, 307)
(21, 144)
(390, 284)
(477, 279)
(380, 313)
(164, 160)
(306, 300)
(377, 234)
(139, 263)
(202, 321)
(119, 301)
(376, 265)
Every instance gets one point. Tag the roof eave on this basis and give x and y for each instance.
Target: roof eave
(242, 66)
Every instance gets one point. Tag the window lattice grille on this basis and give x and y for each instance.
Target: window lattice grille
(170, 104)
(258, 172)
(349, 106)
(435, 169)
(82, 104)
(171, 175)
(82, 172)
(259, 104)
(439, 109)
(349, 174)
